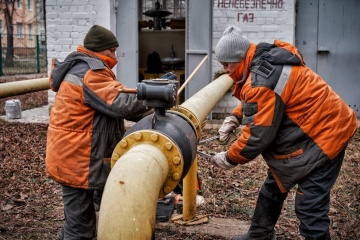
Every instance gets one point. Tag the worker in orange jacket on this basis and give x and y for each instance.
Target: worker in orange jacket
(86, 123)
(293, 119)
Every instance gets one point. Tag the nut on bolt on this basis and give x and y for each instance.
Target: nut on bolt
(176, 176)
(154, 137)
(137, 136)
(123, 143)
(176, 160)
(167, 189)
(115, 156)
(168, 145)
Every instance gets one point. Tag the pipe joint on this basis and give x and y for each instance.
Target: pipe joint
(163, 143)
(180, 130)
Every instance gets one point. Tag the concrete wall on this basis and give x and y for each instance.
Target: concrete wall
(261, 21)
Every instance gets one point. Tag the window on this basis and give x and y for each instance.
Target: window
(19, 4)
(176, 7)
(30, 35)
(29, 4)
(20, 30)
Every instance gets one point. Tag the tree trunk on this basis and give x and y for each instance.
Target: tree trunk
(9, 58)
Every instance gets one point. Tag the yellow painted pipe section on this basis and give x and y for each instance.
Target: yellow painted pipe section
(25, 86)
(128, 207)
(189, 193)
(202, 102)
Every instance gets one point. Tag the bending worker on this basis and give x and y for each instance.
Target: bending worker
(293, 119)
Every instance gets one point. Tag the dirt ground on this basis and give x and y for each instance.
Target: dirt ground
(31, 206)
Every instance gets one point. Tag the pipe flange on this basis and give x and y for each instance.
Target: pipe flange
(196, 123)
(162, 142)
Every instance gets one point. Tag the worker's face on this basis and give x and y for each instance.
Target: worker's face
(229, 67)
(111, 52)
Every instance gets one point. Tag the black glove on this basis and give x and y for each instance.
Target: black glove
(169, 75)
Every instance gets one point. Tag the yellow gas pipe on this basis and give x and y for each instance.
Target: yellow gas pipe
(25, 86)
(150, 166)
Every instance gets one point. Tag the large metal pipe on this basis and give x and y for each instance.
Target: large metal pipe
(135, 184)
(128, 211)
(25, 86)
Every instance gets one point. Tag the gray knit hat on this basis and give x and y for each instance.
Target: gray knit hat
(99, 38)
(232, 46)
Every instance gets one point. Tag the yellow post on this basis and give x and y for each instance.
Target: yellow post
(189, 192)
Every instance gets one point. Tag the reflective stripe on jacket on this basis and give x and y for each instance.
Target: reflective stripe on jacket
(290, 116)
(87, 120)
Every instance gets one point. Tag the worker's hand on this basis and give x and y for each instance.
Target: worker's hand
(229, 125)
(219, 159)
(169, 75)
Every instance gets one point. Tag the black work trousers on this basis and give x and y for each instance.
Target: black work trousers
(79, 211)
(312, 200)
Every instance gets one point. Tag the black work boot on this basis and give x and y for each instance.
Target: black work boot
(266, 214)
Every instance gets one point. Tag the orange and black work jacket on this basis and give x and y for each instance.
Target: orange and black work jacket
(290, 115)
(87, 120)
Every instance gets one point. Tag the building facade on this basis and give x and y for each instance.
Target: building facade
(24, 20)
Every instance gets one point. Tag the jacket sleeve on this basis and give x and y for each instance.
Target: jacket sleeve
(262, 114)
(237, 112)
(101, 92)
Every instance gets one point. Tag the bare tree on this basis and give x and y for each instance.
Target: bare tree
(7, 7)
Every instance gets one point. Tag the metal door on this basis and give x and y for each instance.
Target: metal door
(328, 36)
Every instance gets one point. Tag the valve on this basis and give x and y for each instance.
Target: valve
(158, 92)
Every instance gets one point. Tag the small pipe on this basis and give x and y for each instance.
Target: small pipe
(192, 74)
(25, 86)
(189, 193)
(128, 90)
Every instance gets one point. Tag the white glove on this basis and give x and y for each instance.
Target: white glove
(229, 125)
(219, 159)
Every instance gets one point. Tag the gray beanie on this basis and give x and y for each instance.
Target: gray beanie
(232, 46)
